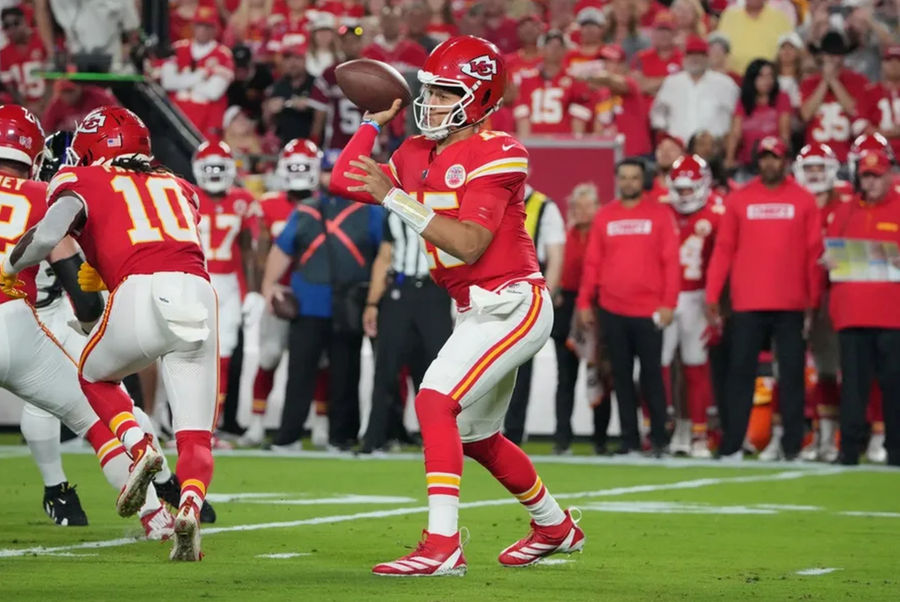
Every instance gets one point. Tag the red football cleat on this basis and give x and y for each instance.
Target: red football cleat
(564, 538)
(146, 462)
(436, 555)
(159, 524)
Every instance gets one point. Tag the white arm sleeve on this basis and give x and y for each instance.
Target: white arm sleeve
(37, 243)
(173, 81)
(211, 88)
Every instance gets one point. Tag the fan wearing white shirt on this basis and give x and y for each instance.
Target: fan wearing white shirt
(696, 98)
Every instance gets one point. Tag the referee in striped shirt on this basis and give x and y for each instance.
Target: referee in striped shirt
(408, 316)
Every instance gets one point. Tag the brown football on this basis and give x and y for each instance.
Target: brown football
(372, 85)
(285, 306)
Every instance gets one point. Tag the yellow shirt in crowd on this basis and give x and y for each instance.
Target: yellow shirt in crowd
(752, 38)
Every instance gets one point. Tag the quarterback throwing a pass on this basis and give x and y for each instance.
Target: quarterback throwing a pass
(461, 188)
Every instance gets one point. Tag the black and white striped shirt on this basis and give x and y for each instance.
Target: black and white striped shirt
(408, 248)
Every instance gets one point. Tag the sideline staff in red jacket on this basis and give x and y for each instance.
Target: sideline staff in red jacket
(770, 242)
(866, 314)
(632, 264)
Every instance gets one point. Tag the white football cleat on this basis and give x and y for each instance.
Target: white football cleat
(187, 534)
(158, 524)
(255, 433)
(146, 462)
(435, 556)
(773, 451)
(811, 452)
(681, 438)
(318, 436)
(700, 449)
(876, 452)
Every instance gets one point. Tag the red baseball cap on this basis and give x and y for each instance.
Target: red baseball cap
(891, 51)
(667, 136)
(696, 45)
(772, 145)
(612, 52)
(206, 15)
(873, 162)
(663, 20)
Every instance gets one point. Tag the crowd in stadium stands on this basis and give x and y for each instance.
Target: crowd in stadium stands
(735, 83)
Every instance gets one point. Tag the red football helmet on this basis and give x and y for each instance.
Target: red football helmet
(106, 134)
(472, 66)
(21, 137)
(816, 167)
(214, 167)
(299, 165)
(873, 142)
(690, 181)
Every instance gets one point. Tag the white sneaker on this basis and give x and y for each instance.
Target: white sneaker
(810, 453)
(735, 458)
(700, 449)
(681, 438)
(158, 524)
(187, 534)
(319, 434)
(828, 449)
(289, 448)
(772, 452)
(876, 452)
(253, 436)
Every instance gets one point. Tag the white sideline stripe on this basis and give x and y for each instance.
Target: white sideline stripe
(872, 514)
(817, 572)
(282, 555)
(282, 499)
(340, 518)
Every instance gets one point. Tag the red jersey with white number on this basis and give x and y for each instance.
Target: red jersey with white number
(480, 179)
(136, 223)
(697, 235)
(519, 66)
(222, 219)
(17, 64)
(883, 111)
(274, 209)
(579, 63)
(343, 116)
(205, 114)
(550, 103)
(842, 193)
(22, 205)
(832, 125)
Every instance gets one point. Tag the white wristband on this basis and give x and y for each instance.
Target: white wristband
(408, 209)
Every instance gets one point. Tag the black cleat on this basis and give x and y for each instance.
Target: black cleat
(62, 505)
(170, 492)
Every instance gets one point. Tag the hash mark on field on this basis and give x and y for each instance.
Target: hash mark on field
(322, 520)
(817, 572)
(289, 499)
(284, 555)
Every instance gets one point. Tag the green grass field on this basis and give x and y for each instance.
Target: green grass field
(296, 528)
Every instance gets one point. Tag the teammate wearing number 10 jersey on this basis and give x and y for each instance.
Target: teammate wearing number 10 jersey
(461, 188)
(137, 226)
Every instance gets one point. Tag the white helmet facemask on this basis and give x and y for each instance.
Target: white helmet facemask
(215, 174)
(454, 114)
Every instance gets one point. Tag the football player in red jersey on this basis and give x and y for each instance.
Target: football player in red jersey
(137, 227)
(697, 211)
(299, 169)
(38, 368)
(816, 168)
(224, 228)
(461, 188)
(551, 101)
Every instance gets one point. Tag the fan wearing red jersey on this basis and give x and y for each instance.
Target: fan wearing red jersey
(225, 231)
(137, 227)
(336, 118)
(697, 212)
(299, 169)
(461, 188)
(38, 369)
(23, 54)
(882, 111)
(551, 101)
(816, 168)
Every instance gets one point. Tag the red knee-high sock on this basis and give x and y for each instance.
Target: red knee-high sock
(509, 465)
(113, 406)
(667, 384)
(443, 458)
(828, 397)
(262, 387)
(224, 366)
(106, 445)
(699, 395)
(195, 464)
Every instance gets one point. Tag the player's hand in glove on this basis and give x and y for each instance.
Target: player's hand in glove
(253, 307)
(712, 335)
(11, 285)
(89, 279)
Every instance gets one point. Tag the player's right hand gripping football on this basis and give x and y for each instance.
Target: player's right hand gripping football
(89, 279)
(11, 285)
(383, 117)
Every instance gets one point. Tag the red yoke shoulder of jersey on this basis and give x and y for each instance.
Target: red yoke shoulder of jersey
(22, 207)
(275, 209)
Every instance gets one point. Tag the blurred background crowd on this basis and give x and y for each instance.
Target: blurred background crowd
(663, 78)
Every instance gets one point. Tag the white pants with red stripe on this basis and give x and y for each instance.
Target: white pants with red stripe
(35, 367)
(273, 340)
(477, 365)
(228, 291)
(170, 316)
(685, 333)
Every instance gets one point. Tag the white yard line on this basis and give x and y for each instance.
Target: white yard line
(817, 572)
(340, 518)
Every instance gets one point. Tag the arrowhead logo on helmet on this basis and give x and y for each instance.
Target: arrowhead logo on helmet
(482, 67)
